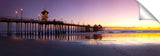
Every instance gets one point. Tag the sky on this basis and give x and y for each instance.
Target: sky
(104, 12)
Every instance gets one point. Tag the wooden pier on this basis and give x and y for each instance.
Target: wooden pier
(30, 26)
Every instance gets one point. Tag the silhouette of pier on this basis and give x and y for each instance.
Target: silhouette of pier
(31, 26)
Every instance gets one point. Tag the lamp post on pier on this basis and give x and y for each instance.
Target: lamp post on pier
(61, 18)
(21, 18)
(39, 16)
(16, 12)
(21, 13)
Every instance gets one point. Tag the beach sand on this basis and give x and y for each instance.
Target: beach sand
(14, 46)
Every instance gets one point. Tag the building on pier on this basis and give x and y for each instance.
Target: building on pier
(44, 15)
(97, 28)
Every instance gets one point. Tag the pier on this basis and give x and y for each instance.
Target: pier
(31, 26)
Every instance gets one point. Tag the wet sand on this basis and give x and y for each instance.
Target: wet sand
(27, 47)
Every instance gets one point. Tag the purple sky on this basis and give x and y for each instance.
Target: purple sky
(105, 12)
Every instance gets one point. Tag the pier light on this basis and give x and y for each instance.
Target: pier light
(21, 9)
(39, 16)
(16, 12)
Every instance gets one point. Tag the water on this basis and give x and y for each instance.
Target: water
(82, 44)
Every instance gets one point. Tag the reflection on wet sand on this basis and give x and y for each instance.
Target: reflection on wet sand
(52, 37)
(128, 39)
(81, 45)
(120, 39)
(94, 36)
